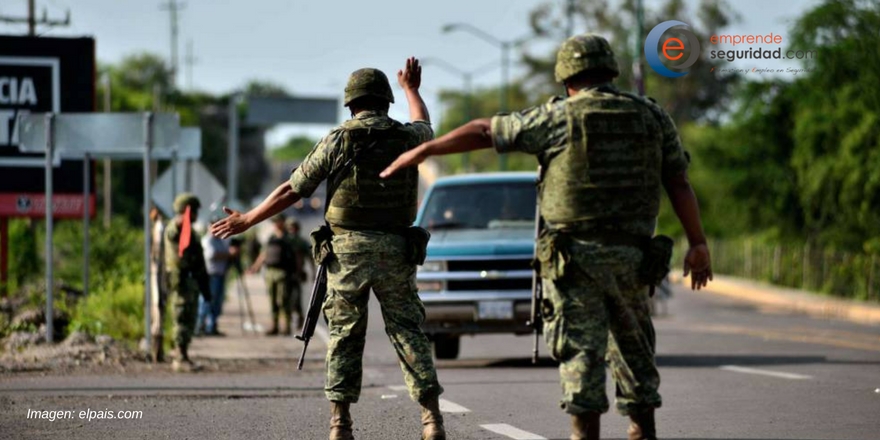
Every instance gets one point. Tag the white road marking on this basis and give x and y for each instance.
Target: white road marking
(452, 407)
(445, 405)
(779, 374)
(512, 432)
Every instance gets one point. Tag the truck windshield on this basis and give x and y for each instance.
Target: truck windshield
(481, 206)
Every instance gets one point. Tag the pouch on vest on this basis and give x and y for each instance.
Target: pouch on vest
(655, 264)
(322, 246)
(553, 254)
(417, 244)
(274, 254)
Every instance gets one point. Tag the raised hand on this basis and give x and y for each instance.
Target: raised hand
(410, 78)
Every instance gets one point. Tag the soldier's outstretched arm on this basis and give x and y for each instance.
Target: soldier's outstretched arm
(697, 261)
(410, 79)
(237, 222)
(475, 135)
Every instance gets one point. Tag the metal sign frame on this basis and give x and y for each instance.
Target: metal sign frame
(29, 140)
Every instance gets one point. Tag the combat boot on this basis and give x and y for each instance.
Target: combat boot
(184, 364)
(432, 420)
(585, 426)
(274, 330)
(158, 350)
(642, 426)
(340, 421)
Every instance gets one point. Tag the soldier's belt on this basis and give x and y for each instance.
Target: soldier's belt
(610, 238)
(370, 218)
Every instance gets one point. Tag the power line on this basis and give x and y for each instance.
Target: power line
(32, 21)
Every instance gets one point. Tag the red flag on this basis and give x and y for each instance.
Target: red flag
(185, 233)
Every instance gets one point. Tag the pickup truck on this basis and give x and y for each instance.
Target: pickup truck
(477, 277)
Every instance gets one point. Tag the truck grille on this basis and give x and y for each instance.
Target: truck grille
(505, 284)
(480, 265)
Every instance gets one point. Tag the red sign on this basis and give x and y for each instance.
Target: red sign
(42, 75)
(34, 205)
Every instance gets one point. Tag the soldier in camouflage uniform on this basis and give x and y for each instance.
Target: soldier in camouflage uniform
(605, 156)
(369, 243)
(187, 274)
(302, 250)
(279, 257)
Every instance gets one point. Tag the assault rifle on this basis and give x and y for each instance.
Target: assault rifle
(536, 321)
(319, 289)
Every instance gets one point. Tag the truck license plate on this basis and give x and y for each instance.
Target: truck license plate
(495, 310)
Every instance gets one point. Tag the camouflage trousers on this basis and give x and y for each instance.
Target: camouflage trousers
(350, 276)
(284, 297)
(185, 297)
(599, 309)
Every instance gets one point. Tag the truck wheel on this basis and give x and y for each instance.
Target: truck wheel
(446, 347)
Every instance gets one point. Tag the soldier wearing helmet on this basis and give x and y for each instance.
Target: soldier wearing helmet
(187, 274)
(279, 258)
(369, 242)
(303, 250)
(605, 156)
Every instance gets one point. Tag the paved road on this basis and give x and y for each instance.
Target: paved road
(729, 371)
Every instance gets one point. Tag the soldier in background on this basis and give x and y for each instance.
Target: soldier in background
(302, 250)
(370, 243)
(187, 274)
(279, 259)
(605, 155)
(159, 286)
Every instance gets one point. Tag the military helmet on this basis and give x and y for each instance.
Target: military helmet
(278, 218)
(292, 222)
(368, 82)
(186, 199)
(584, 52)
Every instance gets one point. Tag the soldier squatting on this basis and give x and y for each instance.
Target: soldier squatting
(605, 155)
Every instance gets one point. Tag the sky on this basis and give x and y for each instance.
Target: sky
(310, 47)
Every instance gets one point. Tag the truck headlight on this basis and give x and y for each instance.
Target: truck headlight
(433, 266)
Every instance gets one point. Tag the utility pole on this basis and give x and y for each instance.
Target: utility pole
(173, 6)
(189, 59)
(638, 67)
(569, 15)
(32, 21)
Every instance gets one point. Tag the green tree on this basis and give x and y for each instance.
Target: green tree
(295, 149)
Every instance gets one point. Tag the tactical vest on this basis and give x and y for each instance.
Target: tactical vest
(363, 199)
(610, 169)
(278, 252)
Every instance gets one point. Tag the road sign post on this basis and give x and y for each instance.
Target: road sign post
(148, 242)
(144, 136)
(50, 287)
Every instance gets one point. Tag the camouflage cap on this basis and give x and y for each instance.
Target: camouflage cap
(278, 218)
(368, 82)
(186, 199)
(584, 52)
(291, 222)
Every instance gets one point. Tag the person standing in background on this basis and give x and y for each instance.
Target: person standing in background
(218, 255)
(278, 257)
